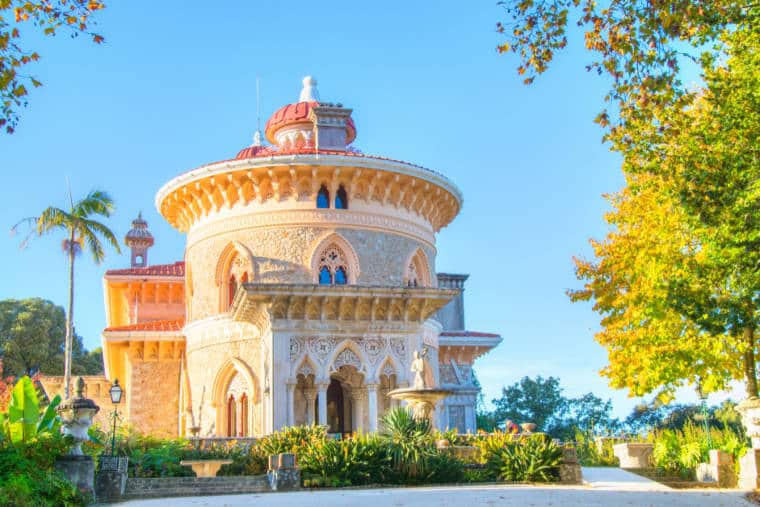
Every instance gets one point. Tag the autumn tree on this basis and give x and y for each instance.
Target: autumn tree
(49, 17)
(677, 280)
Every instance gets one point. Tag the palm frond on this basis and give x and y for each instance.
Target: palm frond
(93, 243)
(96, 202)
(101, 229)
(53, 218)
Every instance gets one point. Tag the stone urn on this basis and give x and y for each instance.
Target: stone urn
(750, 412)
(76, 417)
(528, 427)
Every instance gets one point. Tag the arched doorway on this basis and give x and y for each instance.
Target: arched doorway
(336, 420)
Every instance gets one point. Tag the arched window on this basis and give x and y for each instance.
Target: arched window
(341, 198)
(417, 272)
(231, 417)
(244, 415)
(323, 197)
(333, 268)
(325, 278)
(340, 276)
(412, 279)
(232, 287)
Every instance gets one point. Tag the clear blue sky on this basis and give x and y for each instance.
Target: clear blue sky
(173, 88)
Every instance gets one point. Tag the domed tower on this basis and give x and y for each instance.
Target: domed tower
(309, 276)
(139, 240)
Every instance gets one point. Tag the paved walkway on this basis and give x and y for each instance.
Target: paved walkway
(606, 487)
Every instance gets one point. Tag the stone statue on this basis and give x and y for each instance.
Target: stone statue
(418, 368)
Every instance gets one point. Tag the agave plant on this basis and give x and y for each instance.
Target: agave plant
(25, 420)
(410, 442)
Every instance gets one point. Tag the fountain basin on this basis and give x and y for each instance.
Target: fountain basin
(421, 400)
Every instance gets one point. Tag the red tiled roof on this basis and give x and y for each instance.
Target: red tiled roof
(156, 325)
(176, 269)
(299, 113)
(473, 334)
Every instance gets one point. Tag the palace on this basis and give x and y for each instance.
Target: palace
(307, 283)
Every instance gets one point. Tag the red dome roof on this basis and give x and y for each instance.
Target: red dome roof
(253, 151)
(299, 113)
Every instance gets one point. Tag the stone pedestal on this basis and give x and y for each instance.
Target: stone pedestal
(633, 455)
(749, 470)
(570, 469)
(111, 478)
(79, 470)
(283, 474)
(720, 470)
(750, 412)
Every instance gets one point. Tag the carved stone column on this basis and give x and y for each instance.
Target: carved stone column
(291, 388)
(359, 396)
(310, 395)
(322, 402)
(372, 406)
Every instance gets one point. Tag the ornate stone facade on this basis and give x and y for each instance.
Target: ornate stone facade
(308, 279)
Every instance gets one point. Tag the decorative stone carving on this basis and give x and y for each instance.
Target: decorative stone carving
(373, 347)
(322, 347)
(347, 358)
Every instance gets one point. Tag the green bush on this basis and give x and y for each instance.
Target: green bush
(678, 452)
(589, 454)
(27, 477)
(359, 460)
(533, 458)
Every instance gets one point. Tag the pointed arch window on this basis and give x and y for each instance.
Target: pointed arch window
(231, 416)
(333, 268)
(243, 415)
(232, 288)
(341, 198)
(323, 197)
(417, 272)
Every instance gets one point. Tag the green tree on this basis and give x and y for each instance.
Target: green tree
(677, 281)
(50, 17)
(589, 413)
(538, 400)
(32, 336)
(81, 231)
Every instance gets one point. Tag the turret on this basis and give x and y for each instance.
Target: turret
(139, 239)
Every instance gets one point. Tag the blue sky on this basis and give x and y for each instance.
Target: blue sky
(174, 86)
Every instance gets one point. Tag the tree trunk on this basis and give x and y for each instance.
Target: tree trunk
(750, 367)
(69, 322)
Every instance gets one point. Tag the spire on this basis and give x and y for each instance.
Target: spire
(309, 92)
(257, 134)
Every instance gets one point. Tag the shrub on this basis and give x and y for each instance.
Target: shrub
(27, 477)
(362, 459)
(589, 453)
(291, 439)
(678, 452)
(533, 458)
(443, 467)
(410, 444)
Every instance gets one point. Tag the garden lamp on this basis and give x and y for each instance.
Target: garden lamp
(116, 392)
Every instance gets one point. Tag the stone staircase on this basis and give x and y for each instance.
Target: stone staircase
(194, 486)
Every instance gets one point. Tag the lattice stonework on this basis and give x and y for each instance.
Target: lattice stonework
(347, 358)
(333, 259)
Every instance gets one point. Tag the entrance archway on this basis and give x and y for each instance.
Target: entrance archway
(336, 414)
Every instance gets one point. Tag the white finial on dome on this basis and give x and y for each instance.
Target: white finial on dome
(309, 92)
(257, 138)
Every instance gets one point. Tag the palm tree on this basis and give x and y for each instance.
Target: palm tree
(81, 232)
